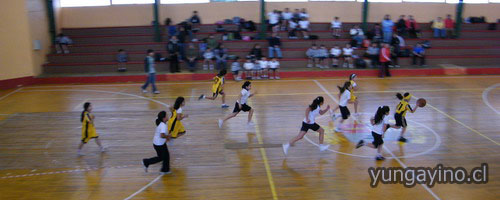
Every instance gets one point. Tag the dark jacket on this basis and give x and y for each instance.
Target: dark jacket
(274, 41)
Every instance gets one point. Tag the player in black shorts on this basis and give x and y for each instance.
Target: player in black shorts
(241, 104)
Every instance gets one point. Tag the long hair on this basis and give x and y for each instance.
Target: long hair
(401, 96)
(246, 84)
(178, 102)
(316, 102)
(222, 73)
(352, 76)
(381, 111)
(86, 106)
(342, 89)
(161, 116)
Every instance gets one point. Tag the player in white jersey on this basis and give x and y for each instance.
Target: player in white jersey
(241, 104)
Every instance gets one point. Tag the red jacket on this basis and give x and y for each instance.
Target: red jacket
(411, 22)
(448, 23)
(385, 55)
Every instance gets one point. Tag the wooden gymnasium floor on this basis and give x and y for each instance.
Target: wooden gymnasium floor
(40, 130)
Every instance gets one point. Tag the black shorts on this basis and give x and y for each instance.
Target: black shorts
(345, 112)
(334, 57)
(306, 127)
(400, 120)
(377, 139)
(244, 108)
(274, 69)
(347, 56)
(217, 94)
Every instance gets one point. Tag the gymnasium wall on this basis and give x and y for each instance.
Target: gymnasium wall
(15, 53)
(134, 15)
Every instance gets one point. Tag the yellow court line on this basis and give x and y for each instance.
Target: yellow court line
(459, 122)
(264, 158)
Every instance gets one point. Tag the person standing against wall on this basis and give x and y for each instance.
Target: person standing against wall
(149, 67)
(449, 25)
(387, 26)
(385, 60)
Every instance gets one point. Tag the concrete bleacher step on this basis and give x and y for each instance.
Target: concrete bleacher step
(242, 53)
(138, 66)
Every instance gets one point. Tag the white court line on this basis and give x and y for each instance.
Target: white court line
(11, 93)
(264, 81)
(485, 97)
(144, 188)
(385, 148)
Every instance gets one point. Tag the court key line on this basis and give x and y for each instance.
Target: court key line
(485, 97)
(10, 93)
(65, 171)
(385, 148)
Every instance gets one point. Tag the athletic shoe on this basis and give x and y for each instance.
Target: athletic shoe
(402, 139)
(201, 97)
(224, 106)
(323, 147)
(165, 173)
(156, 92)
(144, 91)
(338, 130)
(220, 123)
(379, 158)
(145, 166)
(285, 148)
(335, 116)
(360, 144)
(250, 124)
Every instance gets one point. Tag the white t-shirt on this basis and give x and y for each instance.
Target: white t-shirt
(355, 31)
(347, 51)
(264, 64)
(302, 15)
(336, 24)
(335, 52)
(157, 139)
(354, 84)
(244, 96)
(287, 15)
(179, 111)
(292, 25)
(344, 98)
(379, 128)
(312, 116)
(248, 66)
(273, 17)
(274, 64)
(304, 24)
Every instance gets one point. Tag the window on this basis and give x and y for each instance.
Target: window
(80, 3)
(132, 1)
(285, 0)
(425, 1)
(333, 0)
(383, 1)
(467, 1)
(494, 1)
(183, 1)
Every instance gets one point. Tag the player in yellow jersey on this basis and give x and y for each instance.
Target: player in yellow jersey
(401, 109)
(354, 98)
(218, 88)
(174, 124)
(88, 128)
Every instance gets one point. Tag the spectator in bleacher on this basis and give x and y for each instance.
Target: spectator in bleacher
(274, 67)
(439, 29)
(296, 14)
(264, 67)
(195, 20)
(255, 52)
(191, 55)
(257, 70)
(322, 55)
(274, 22)
(171, 29)
(335, 53)
(274, 46)
(336, 27)
(286, 18)
(208, 59)
(249, 68)
(220, 29)
(372, 53)
(312, 56)
(347, 53)
(449, 25)
(293, 27)
(236, 68)
(149, 68)
(173, 45)
(186, 28)
(174, 62)
(376, 34)
(62, 42)
(122, 59)
(357, 34)
(304, 14)
(418, 53)
(212, 42)
(387, 26)
(397, 43)
(401, 25)
(182, 39)
(304, 27)
(220, 57)
(385, 60)
(412, 27)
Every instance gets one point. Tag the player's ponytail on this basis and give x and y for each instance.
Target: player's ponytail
(347, 84)
(316, 102)
(86, 106)
(161, 116)
(381, 112)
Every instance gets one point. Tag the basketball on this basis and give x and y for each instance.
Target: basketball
(421, 102)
